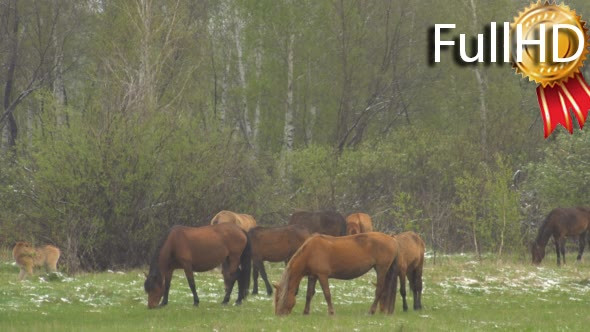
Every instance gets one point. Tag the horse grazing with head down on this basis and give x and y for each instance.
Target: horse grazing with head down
(245, 221)
(358, 223)
(200, 249)
(559, 224)
(322, 222)
(411, 263)
(273, 244)
(322, 257)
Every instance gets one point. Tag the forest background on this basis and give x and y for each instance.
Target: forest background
(120, 118)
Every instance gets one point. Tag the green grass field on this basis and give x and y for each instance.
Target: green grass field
(459, 294)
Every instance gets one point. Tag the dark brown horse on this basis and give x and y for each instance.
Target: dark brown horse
(411, 263)
(323, 222)
(347, 257)
(200, 249)
(559, 224)
(273, 244)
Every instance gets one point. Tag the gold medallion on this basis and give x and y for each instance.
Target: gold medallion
(549, 73)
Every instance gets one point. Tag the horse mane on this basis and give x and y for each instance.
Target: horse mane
(284, 282)
(154, 273)
(544, 232)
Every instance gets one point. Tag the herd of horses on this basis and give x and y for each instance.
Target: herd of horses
(317, 245)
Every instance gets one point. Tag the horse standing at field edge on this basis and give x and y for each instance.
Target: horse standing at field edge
(273, 244)
(200, 249)
(559, 224)
(348, 257)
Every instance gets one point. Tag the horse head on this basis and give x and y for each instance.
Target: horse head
(538, 252)
(283, 301)
(154, 286)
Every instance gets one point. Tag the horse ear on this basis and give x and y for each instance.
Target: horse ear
(276, 286)
(145, 274)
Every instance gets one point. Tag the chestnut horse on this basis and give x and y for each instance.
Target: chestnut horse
(200, 249)
(411, 263)
(273, 244)
(323, 222)
(348, 257)
(559, 224)
(245, 221)
(358, 223)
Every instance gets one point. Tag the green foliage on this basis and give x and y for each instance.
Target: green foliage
(562, 177)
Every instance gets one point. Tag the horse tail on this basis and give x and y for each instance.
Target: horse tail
(245, 268)
(391, 285)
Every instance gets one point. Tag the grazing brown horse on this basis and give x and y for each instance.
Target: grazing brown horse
(348, 257)
(26, 257)
(245, 221)
(559, 224)
(411, 263)
(273, 244)
(200, 249)
(323, 222)
(358, 223)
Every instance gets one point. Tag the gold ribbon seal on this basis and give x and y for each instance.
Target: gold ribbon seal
(561, 86)
(549, 73)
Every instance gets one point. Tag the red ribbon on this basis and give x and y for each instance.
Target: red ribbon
(555, 103)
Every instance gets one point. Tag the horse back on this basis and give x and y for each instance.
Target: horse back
(411, 249)
(203, 247)
(277, 244)
(323, 222)
(567, 221)
(349, 256)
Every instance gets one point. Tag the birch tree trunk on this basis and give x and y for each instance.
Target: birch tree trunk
(289, 129)
(243, 115)
(257, 109)
(481, 84)
(59, 90)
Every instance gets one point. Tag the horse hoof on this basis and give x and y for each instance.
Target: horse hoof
(224, 303)
(238, 303)
(196, 304)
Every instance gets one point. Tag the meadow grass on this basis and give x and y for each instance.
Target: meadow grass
(460, 293)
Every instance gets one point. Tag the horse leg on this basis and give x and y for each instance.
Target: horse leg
(310, 293)
(557, 250)
(230, 275)
(22, 274)
(562, 247)
(417, 288)
(265, 278)
(188, 272)
(581, 244)
(402, 288)
(167, 280)
(255, 278)
(381, 273)
(326, 289)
